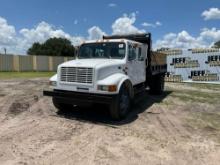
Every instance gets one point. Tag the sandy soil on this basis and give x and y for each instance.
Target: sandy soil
(159, 130)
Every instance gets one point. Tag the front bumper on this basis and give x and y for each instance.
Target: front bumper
(79, 97)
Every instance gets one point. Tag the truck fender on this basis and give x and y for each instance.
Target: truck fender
(128, 83)
(53, 78)
(118, 79)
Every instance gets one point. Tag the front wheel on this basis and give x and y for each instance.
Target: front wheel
(120, 107)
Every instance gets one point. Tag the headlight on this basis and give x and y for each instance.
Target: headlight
(108, 88)
(53, 83)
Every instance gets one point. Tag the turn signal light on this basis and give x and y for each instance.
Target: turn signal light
(112, 88)
(109, 88)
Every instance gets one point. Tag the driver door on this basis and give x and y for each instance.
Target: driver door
(133, 64)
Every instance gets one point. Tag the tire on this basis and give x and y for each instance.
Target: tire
(61, 106)
(120, 107)
(157, 84)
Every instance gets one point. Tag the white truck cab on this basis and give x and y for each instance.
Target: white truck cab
(106, 71)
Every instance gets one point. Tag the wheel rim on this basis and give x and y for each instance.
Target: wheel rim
(124, 102)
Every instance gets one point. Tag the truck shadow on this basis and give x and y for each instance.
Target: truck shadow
(99, 114)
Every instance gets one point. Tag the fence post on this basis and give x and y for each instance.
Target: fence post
(16, 66)
(50, 63)
(65, 59)
(35, 63)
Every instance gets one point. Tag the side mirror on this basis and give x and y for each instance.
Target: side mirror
(141, 58)
(130, 57)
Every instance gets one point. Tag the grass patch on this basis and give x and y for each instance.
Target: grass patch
(197, 96)
(12, 75)
(205, 86)
(203, 120)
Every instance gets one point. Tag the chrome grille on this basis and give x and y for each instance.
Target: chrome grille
(77, 75)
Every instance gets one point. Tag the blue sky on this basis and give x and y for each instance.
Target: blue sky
(181, 23)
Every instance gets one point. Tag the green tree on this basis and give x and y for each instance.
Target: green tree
(53, 47)
(217, 44)
(35, 49)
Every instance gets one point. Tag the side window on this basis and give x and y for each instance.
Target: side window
(131, 53)
(140, 55)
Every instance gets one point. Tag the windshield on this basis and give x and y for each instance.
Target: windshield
(112, 50)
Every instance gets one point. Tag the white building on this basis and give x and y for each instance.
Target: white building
(193, 65)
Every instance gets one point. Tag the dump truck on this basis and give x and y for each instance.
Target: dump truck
(109, 71)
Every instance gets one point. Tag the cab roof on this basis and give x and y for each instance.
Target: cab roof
(111, 40)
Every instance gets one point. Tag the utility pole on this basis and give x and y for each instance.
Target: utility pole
(5, 50)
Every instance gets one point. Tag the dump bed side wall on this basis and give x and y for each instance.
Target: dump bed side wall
(158, 63)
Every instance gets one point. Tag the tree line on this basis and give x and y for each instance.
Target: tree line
(217, 44)
(62, 47)
(53, 47)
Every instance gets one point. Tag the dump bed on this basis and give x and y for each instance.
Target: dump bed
(158, 63)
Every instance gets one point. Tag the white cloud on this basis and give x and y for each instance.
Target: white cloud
(137, 12)
(41, 33)
(7, 32)
(75, 22)
(210, 34)
(112, 5)
(19, 43)
(95, 33)
(156, 24)
(183, 39)
(125, 25)
(146, 24)
(7, 35)
(212, 13)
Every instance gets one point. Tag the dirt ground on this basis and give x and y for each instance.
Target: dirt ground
(180, 127)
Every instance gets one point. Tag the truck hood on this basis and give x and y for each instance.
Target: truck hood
(92, 63)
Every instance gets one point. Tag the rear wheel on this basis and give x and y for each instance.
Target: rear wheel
(61, 106)
(121, 105)
(157, 84)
